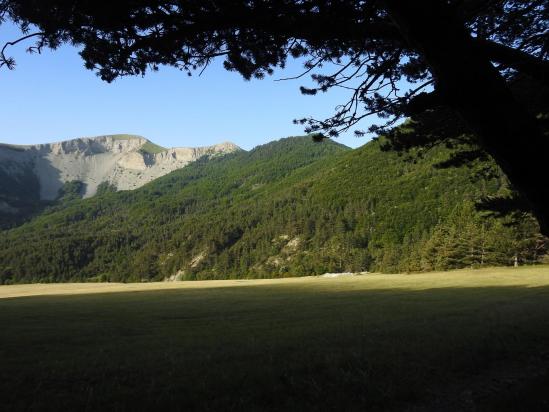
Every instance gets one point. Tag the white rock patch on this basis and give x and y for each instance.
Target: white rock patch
(342, 274)
(117, 159)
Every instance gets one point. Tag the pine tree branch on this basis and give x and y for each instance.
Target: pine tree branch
(8, 61)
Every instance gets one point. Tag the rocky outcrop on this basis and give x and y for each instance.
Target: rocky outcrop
(124, 161)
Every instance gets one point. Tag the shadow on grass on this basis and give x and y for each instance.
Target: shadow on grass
(269, 347)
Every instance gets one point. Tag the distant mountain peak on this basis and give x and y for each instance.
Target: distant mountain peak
(123, 160)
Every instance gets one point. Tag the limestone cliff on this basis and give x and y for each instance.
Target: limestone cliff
(125, 161)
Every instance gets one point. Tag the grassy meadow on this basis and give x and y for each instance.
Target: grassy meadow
(461, 340)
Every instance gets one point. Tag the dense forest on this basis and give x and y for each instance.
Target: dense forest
(21, 190)
(292, 207)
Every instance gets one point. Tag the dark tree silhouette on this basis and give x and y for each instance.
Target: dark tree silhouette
(465, 51)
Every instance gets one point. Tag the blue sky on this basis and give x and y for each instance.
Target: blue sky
(52, 97)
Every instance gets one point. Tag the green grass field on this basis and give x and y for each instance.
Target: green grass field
(462, 340)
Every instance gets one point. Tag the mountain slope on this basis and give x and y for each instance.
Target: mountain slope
(35, 173)
(84, 235)
(288, 208)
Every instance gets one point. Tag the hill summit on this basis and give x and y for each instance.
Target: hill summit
(123, 161)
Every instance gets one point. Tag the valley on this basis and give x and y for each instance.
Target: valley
(381, 245)
(436, 341)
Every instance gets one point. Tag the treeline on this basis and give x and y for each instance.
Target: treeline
(288, 208)
(468, 239)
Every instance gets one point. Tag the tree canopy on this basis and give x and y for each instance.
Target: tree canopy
(396, 58)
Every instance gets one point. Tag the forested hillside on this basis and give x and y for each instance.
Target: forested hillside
(289, 208)
(19, 195)
(32, 176)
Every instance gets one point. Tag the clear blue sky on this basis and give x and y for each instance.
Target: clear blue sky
(52, 97)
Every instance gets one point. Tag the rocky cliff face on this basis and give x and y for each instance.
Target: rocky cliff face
(125, 161)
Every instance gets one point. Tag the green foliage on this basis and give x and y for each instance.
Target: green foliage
(151, 148)
(71, 191)
(125, 137)
(105, 187)
(289, 208)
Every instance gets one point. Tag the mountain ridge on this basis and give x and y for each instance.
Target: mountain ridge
(288, 208)
(86, 140)
(124, 162)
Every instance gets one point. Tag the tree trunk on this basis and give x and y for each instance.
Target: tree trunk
(468, 82)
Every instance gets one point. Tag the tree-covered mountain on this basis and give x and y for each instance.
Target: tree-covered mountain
(288, 208)
(32, 176)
